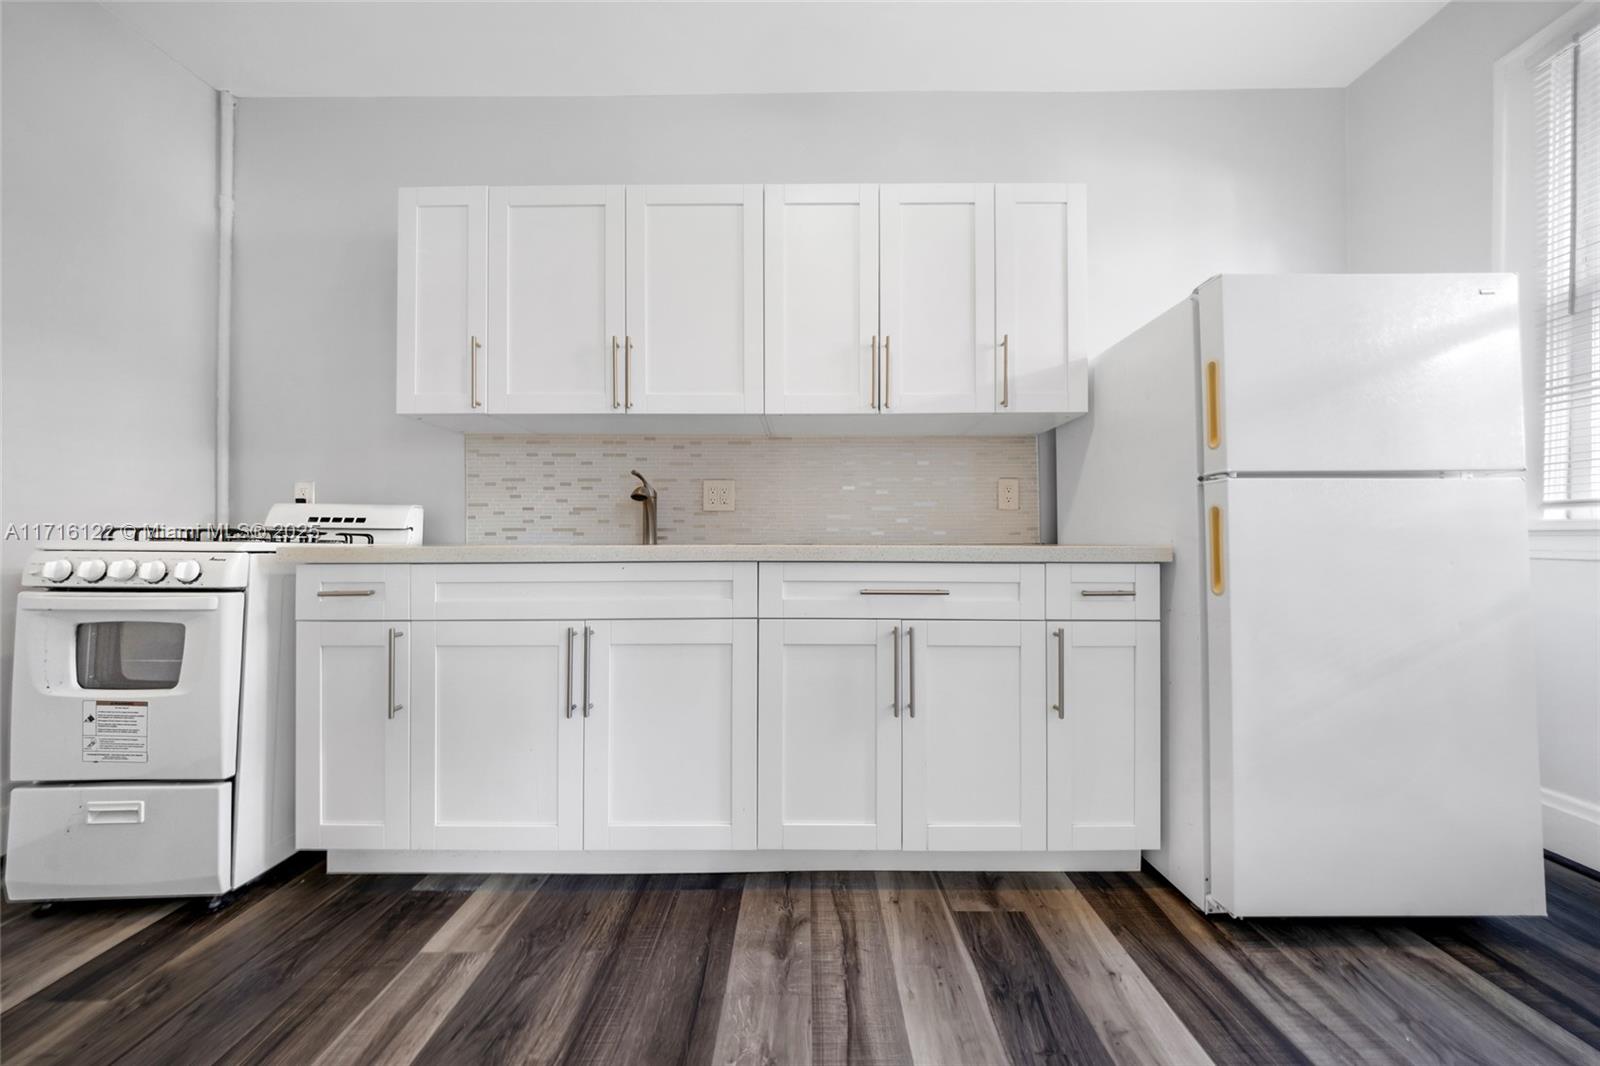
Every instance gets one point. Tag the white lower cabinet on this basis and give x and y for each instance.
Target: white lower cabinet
(1104, 732)
(974, 736)
(917, 735)
(670, 742)
(353, 735)
(913, 733)
(830, 735)
(496, 738)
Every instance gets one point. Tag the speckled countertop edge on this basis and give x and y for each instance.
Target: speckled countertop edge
(730, 553)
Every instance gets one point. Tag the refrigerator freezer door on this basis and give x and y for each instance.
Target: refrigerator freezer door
(1346, 373)
(1371, 697)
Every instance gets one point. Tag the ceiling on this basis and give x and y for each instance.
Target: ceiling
(624, 49)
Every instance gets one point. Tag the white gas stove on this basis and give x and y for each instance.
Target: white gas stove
(153, 704)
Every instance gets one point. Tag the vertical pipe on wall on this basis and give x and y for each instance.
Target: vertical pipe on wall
(225, 112)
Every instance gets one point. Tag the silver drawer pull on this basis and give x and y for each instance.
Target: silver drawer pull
(1106, 592)
(905, 592)
(346, 592)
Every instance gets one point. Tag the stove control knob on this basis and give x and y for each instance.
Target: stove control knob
(56, 570)
(152, 571)
(188, 571)
(121, 570)
(92, 570)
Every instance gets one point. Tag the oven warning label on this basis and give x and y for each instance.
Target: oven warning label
(116, 731)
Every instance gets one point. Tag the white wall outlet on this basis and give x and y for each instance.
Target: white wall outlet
(305, 492)
(716, 495)
(1010, 496)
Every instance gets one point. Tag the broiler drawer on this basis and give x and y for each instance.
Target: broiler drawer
(120, 841)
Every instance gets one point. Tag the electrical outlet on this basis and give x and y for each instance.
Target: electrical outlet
(305, 492)
(716, 495)
(1010, 495)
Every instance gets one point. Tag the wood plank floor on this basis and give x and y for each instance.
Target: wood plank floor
(949, 969)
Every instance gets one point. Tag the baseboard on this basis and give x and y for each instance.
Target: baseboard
(1572, 828)
(668, 862)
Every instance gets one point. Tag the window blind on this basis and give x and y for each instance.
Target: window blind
(1567, 102)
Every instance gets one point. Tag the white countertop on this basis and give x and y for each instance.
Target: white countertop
(730, 553)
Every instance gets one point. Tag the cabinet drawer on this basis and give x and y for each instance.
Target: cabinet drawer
(584, 590)
(1103, 591)
(352, 592)
(902, 590)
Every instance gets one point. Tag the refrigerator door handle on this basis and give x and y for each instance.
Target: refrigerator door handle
(1217, 583)
(1213, 412)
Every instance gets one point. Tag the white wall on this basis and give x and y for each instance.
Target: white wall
(1422, 166)
(109, 264)
(1420, 141)
(1181, 186)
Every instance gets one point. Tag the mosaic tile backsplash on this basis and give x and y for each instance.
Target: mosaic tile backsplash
(808, 490)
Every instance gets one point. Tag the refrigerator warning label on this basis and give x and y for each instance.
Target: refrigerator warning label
(116, 732)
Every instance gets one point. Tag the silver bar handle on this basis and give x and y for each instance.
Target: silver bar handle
(627, 373)
(1106, 592)
(885, 372)
(905, 592)
(911, 671)
(614, 403)
(588, 704)
(394, 708)
(1005, 370)
(874, 371)
(476, 344)
(1060, 706)
(325, 593)
(572, 704)
(894, 635)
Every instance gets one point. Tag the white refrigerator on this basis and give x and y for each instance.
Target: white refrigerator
(1348, 706)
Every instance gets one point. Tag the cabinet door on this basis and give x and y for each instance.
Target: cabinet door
(821, 298)
(830, 735)
(694, 299)
(555, 299)
(497, 736)
(670, 744)
(974, 736)
(352, 735)
(1039, 247)
(442, 299)
(1105, 736)
(937, 293)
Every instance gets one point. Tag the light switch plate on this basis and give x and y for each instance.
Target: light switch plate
(716, 495)
(1010, 494)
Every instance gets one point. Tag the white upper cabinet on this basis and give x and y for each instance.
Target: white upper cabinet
(1039, 285)
(937, 298)
(556, 305)
(694, 300)
(443, 306)
(821, 298)
(568, 307)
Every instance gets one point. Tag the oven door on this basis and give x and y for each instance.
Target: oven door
(126, 686)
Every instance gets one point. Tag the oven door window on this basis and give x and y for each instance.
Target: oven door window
(129, 655)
